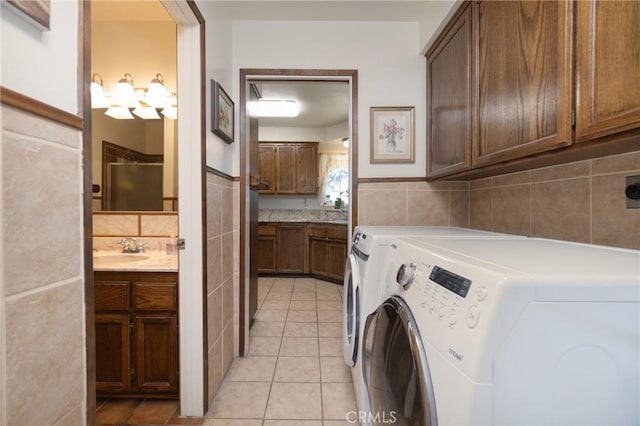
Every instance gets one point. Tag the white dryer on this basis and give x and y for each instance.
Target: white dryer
(505, 332)
(363, 285)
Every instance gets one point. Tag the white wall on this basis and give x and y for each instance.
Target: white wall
(436, 14)
(391, 72)
(220, 155)
(42, 64)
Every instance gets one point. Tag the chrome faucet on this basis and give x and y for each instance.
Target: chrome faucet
(129, 245)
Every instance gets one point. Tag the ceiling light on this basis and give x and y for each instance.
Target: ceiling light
(345, 142)
(146, 112)
(97, 92)
(170, 112)
(119, 113)
(125, 95)
(275, 108)
(156, 97)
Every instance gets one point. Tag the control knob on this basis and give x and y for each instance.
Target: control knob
(406, 275)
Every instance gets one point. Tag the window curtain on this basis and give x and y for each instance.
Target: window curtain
(328, 162)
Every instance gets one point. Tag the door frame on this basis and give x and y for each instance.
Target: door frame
(247, 75)
(192, 345)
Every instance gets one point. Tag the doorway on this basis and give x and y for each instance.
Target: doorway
(188, 73)
(250, 79)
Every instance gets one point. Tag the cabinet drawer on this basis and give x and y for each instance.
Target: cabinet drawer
(316, 231)
(267, 230)
(111, 295)
(337, 233)
(151, 296)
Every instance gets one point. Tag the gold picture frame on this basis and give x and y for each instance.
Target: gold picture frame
(392, 134)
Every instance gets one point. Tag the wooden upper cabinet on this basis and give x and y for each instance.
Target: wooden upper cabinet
(292, 167)
(523, 78)
(607, 68)
(449, 99)
(307, 163)
(267, 166)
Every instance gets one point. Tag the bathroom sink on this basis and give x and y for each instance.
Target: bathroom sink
(120, 258)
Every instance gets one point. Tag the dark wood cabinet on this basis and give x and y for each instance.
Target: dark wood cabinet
(281, 248)
(523, 76)
(607, 64)
(292, 167)
(327, 250)
(449, 98)
(136, 333)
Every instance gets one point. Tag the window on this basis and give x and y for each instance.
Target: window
(334, 178)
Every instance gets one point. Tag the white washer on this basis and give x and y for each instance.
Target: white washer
(506, 332)
(363, 287)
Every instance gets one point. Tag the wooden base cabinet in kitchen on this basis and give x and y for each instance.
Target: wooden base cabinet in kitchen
(327, 251)
(136, 333)
(281, 248)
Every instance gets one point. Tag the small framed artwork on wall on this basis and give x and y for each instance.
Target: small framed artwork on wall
(222, 113)
(36, 12)
(392, 135)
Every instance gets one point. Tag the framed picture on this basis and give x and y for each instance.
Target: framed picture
(222, 118)
(392, 135)
(36, 12)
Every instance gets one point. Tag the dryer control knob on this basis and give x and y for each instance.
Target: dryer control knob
(406, 275)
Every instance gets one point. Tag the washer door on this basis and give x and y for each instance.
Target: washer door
(395, 368)
(351, 311)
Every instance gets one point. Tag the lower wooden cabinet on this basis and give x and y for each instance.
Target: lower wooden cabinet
(136, 331)
(327, 251)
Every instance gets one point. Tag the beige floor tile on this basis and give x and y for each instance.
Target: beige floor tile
(299, 346)
(352, 416)
(304, 295)
(267, 328)
(252, 369)
(301, 329)
(292, 423)
(329, 306)
(297, 369)
(334, 369)
(264, 346)
(271, 315)
(277, 296)
(328, 296)
(302, 316)
(305, 283)
(330, 329)
(337, 400)
(294, 401)
(227, 422)
(240, 400)
(327, 285)
(330, 346)
(330, 316)
(303, 305)
(275, 305)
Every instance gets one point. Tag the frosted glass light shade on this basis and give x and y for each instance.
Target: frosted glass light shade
(119, 113)
(98, 99)
(147, 113)
(170, 112)
(125, 95)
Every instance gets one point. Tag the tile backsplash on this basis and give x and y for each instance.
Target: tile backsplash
(153, 228)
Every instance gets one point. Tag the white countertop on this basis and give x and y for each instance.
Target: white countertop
(150, 261)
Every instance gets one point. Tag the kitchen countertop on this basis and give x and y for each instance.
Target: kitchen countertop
(150, 261)
(312, 216)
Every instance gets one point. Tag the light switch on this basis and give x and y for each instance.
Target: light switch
(632, 192)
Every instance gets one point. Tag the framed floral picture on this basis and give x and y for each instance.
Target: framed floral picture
(392, 135)
(36, 12)
(222, 113)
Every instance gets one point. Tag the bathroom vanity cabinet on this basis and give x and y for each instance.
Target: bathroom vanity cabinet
(136, 333)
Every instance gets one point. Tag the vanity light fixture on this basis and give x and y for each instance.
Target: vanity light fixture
(345, 142)
(97, 92)
(170, 111)
(119, 113)
(146, 112)
(125, 94)
(275, 108)
(156, 96)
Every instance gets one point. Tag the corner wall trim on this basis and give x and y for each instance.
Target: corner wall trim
(34, 106)
(221, 174)
(392, 179)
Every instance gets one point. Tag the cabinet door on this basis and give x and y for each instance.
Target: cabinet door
(336, 257)
(286, 169)
(267, 254)
(523, 71)
(267, 166)
(113, 362)
(156, 356)
(607, 68)
(318, 257)
(291, 248)
(449, 99)
(307, 167)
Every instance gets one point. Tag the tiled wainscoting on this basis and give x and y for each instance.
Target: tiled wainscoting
(222, 277)
(294, 373)
(42, 349)
(155, 229)
(582, 201)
